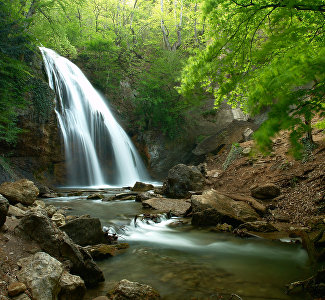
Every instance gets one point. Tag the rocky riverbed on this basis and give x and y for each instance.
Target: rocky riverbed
(49, 252)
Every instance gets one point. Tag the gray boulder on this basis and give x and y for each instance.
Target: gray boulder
(181, 179)
(4, 206)
(37, 226)
(85, 231)
(95, 196)
(22, 191)
(177, 207)
(41, 273)
(125, 290)
(212, 208)
(265, 192)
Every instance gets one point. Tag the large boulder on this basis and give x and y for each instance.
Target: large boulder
(265, 191)
(22, 191)
(103, 251)
(85, 231)
(181, 179)
(125, 290)
(212, 208)
(41, 273)
(4, 206)
(39, 228)
(177, 207)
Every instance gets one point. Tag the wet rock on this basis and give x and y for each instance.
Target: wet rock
(76, 193)
(181, 179)
(16, 212)
(212, 208)
(177, 207)
(143, 196)
(314, 285)
(52, 195)
(21, 191)
(222, 228)
(72, 287)
(142, 187)
(95, 196)
(122, 196)
(133, 290)
(265, 192)
(39, 228)
(156, 218)
(58, 219)
(258, 226)
(16, 288)
(4, 206)
(85, 231)
(103, 251)
(41, 273)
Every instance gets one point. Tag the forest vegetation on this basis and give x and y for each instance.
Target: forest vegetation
(255, 54)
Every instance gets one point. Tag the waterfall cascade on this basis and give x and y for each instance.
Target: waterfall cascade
(98, 151)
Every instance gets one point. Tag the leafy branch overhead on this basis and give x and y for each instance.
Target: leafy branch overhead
(264, 55)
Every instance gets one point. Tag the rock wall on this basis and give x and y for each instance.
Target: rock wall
(206, 131)
(37, 154)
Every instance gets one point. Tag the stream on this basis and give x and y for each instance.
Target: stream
(185, 263)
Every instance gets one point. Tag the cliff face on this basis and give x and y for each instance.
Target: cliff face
(37, 154)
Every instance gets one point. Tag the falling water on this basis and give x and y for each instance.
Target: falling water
(98, 151)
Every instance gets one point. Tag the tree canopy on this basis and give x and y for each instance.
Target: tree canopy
(255, 54)
(264, 54)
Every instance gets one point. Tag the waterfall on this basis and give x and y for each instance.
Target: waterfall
(98, 151)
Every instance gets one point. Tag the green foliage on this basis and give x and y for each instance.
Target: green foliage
(14, 46)
(264, 54)
(158, 104)
(112, 40)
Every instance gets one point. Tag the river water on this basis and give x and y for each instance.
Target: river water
(185, 263)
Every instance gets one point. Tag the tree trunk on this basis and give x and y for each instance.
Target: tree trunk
(32, 9)
(163, 28)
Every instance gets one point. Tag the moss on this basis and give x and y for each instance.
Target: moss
(42, 100)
